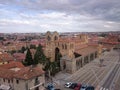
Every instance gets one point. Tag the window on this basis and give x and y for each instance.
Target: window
(62, 46)
(8, 81)
(48, 38)
(65, 46)
(12, 80)
(55, 38)
(17, 81)
(37, 81)
(3, 79)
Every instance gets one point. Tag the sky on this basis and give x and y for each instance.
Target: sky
(23, 16)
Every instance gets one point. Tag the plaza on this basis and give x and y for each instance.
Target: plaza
(93, 73)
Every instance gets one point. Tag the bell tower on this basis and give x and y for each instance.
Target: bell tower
(51, 38)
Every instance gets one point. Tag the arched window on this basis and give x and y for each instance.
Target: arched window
(55, 38)
(8, 81)
(62, 46)
(65, 46)
(48, 38)
(17, 81)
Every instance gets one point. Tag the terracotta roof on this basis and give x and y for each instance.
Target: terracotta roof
(85, 51)
(80, 46)
(23, 73)
(5, 57)
(12, 64)
(19, 56)
(28, 73)
(5, 73)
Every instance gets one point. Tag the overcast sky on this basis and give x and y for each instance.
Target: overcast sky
(59, 15)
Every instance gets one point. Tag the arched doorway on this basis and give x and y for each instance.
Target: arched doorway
(57, 56)
(91, 57)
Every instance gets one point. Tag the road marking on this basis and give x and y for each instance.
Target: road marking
(103, 88)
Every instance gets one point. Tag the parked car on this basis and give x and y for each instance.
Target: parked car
(90, 88)
(83, 87)
(50, 87)
(73, 85)
(87, 87)
(78, 86)
(68, 84)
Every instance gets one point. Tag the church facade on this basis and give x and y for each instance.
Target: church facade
(75, 51)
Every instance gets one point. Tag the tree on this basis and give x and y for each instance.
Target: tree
(39, 56)
(51, 67)
(28, 60)
(58, 61)
(32, 46)
(23, 49)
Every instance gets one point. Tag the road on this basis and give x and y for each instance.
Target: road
(109, 83)
(93, 74)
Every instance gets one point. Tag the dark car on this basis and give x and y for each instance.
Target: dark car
(73, 85)
(50, 87)
(78, 87)
(90, 88)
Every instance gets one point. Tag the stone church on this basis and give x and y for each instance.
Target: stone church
(75, 51)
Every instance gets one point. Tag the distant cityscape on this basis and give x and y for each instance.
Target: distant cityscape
(59, 44)
(40, 61)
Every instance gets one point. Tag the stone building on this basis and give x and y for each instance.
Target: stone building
(75, 51)
(18, 77)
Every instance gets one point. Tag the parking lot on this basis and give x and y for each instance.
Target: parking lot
(91, 74)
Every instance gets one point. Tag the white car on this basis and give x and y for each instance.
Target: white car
(68, 84)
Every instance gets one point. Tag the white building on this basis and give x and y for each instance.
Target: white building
(21, 78)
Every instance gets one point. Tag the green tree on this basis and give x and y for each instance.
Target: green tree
(51, 68)
(32, 46)
(39, 56)
(28, 60)
(58, 59)
(23, 49)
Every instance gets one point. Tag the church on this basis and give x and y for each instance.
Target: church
(75, 51)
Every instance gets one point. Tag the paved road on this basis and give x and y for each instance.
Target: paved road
(92, 73)
(109, 82)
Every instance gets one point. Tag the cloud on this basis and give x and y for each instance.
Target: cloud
(61, 15)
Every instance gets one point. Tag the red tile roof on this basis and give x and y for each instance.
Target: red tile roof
(22, 73)
(86, 50)
(19, 56)
(5, 57)
(28, 72)
(25, 73)
(5, 73)
(12, 64)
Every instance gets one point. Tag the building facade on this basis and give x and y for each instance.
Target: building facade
(75, 51)
(17, 77)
